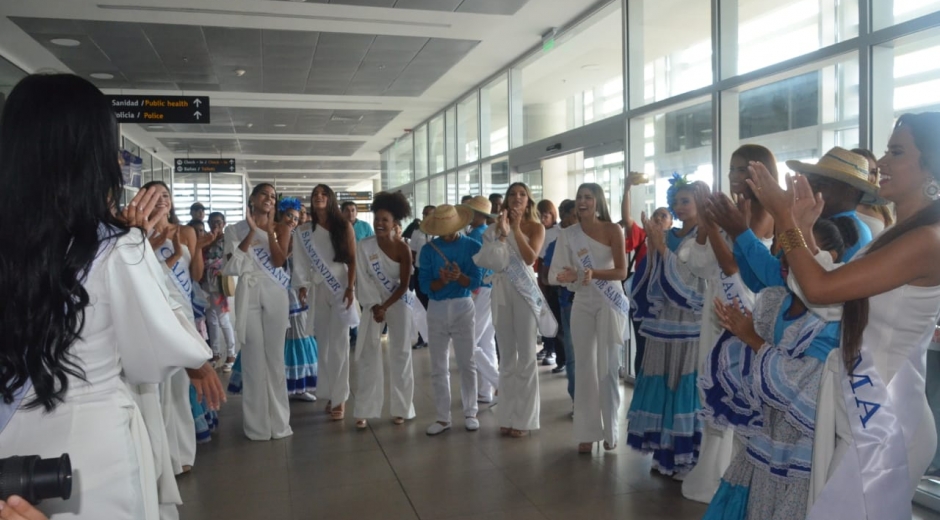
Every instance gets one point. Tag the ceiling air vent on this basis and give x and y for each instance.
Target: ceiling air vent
(345, 119)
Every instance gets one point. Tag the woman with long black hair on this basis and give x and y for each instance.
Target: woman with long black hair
(91, 312)
(256, 251)
(325, 257)
(874, 433)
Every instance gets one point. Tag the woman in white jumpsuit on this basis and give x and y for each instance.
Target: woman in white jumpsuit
(590, 260)
(174, 246)
(256, 253)
(869, 462)
(510, 249)
(91, 290)
(384, 271)
(325, 261)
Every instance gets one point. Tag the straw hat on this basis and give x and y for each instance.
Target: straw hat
(479, 204)
(446, 219)
(841, 165)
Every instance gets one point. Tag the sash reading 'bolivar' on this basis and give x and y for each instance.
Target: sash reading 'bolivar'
(617, 300)
(418, 313)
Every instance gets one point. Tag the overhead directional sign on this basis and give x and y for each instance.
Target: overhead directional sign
(353, 195)
(204, 166)
(161, 109)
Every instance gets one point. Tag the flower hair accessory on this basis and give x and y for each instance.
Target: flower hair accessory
(675, 183)
(288, 203)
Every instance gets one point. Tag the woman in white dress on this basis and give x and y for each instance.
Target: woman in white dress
(590, 260)
(384, 265)
(510, 249)
(256, 252)
(325, 260)
(92, 312)
(883, 436)
(174, 246)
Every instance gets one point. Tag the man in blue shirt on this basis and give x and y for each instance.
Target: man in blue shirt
(360, 227)
(484, 332)
(448, 276)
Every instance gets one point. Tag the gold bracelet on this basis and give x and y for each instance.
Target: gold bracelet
(791, 239)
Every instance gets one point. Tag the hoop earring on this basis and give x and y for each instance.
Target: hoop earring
(932, 190)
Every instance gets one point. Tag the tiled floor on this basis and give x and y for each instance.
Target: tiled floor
(331, 471)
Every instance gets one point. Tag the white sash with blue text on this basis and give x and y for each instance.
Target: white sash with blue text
(418, 313)
(523, 279)
(872, 481)
(350, 316)
(262, 257)
(181, 277)
(617, 300)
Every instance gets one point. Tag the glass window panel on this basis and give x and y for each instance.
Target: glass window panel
(907, 80)
(672, 141)
(436, 135)
(385, 164)
(669, 61)
(189, 188)
(450, 133)
(607, 170)
(889, 12)
(495, 177)
(468, 182)
(421, 152)
(799, 116)
(494, 115)
(468, 141)
(422, 197)
(575, 80)
(533, 179)
(769, 32)
(403, 162)
(438, 190)
(228, 196)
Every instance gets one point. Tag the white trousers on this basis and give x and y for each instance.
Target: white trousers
(516, 329)
(370, 373)
(220, 326)
(178, 419)
(596, 381)
(333, 344)
(264, 391)
(484, 333)
(452, 320)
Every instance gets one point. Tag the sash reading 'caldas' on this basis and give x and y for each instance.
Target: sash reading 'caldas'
(330, 279)
(617, 300)
(523, 279)
(418, 313)
(872, 481)
(181, 278)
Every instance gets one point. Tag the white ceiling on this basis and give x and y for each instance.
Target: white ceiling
(327, 83)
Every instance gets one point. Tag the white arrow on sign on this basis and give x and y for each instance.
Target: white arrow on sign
(197, 102)
(197, 115)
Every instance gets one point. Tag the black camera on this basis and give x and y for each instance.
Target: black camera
(36, 479)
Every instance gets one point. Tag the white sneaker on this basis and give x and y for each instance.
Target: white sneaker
(485, 399)
(472, 424)
(306, 396)
(438, 428)
(227, 367)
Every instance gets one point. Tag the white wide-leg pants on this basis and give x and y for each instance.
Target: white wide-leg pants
(516, 329)
(370, 373)
(484, 355)
(178, 419)
(264, 391)
(452, 320)
(597, 392)
(333, 344)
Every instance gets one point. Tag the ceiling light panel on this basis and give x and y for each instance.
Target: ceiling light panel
(500, 7)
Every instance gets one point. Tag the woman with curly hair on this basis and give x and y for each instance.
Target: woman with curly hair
(384, 264)
(326, 258)
(256, 251)
(669, 296)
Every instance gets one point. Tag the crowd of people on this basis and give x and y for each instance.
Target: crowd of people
(780, 333)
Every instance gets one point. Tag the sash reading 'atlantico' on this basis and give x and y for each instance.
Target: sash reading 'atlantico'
(262, 257)
(617, 300)
(418, 313)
